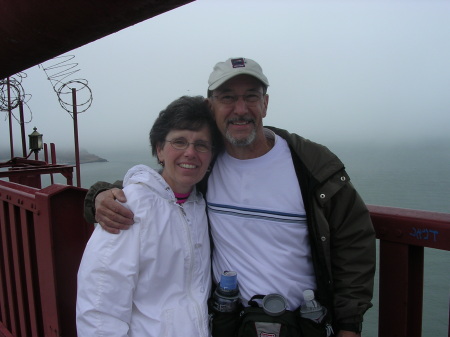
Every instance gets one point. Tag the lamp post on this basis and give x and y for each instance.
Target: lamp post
(35, 142)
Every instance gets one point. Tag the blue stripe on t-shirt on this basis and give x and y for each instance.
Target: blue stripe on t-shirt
(255, 213)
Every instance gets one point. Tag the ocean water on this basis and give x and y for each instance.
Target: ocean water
(397, 175)
(413, 177)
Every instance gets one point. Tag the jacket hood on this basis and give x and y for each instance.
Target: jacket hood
(142, 174)
(321, 164)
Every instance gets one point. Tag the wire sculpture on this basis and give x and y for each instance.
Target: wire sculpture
(58, 73)
(16, 94)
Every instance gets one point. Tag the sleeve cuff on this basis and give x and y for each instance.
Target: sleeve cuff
(354, 327)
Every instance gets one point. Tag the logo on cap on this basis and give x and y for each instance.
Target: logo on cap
(265, 334)
(238, 63)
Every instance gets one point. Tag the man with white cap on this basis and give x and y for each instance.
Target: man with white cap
(283, 213)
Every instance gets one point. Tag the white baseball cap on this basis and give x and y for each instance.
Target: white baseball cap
(223, 71)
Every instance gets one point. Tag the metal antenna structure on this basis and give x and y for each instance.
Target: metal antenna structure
(12, 95)
(74, 95)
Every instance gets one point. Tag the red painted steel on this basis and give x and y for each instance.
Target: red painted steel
(29, 172)
(43, 235)
(4, 332)
(16, 246)
(412, 227)
(403, 234)
(8, 304)
(70, 233)
(28, 260)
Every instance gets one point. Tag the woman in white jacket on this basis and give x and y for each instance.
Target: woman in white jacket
(154, 279)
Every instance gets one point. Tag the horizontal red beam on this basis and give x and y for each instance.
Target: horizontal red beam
(412, 227)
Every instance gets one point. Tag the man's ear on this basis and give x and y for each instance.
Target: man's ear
(210, 106)
(208, 101)
(266, 104)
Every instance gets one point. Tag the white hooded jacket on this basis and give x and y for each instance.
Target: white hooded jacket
(153, 279)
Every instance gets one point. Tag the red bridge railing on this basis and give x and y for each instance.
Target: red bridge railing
(43, 234)
(403, 235)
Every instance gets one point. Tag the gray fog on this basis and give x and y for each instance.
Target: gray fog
(339, 71)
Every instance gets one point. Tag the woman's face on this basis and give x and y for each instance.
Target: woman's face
(183, 168)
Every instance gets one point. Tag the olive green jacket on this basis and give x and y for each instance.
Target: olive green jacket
(341, 232)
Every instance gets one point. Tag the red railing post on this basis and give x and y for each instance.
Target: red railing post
(46, 271)
(8, 306)
(69, 234)
(403, 234)
(18, 267)
(42, 235)
(401, 290)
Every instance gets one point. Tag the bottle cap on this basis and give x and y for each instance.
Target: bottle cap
(228, 280)
(274, 304)
(308, 295)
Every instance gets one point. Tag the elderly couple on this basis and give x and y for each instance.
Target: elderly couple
(279, 210)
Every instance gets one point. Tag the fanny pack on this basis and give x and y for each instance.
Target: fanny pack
(253, 321)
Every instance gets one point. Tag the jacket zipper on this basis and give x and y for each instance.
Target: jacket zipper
(191, 267)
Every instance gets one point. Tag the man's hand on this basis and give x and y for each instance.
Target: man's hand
(111, 215)
(344, 333)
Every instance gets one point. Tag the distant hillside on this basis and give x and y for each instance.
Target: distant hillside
(62, 156)
(68, 157)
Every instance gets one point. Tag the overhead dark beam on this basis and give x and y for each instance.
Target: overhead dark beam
(33, 31)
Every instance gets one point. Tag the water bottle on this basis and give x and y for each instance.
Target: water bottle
(226, 295)
(312, 309)
(226, 306)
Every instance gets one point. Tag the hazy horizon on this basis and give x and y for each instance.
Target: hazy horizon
(339, 71)
(336, 145)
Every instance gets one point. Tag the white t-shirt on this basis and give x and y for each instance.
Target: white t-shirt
(258, 224)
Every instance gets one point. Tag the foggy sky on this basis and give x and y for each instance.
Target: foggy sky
(359, 71)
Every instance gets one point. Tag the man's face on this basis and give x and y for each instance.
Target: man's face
(239, 106)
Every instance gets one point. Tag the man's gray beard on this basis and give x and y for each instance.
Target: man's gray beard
(241, 142)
